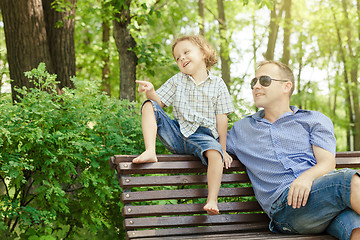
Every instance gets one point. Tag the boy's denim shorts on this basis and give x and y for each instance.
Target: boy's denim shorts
(328, 208)
(168, 132)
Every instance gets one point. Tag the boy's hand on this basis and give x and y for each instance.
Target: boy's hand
(144, 86)
(227, 160)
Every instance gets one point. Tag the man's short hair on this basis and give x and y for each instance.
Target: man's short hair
(285, 70)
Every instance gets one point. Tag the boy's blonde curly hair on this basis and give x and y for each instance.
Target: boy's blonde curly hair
(206, 48)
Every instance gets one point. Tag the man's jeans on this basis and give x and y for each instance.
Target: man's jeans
(328, 208)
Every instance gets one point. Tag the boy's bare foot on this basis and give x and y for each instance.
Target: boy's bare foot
(211, 208)
(146, 157)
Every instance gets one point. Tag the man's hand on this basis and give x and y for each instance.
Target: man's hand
(227, 160)
(145, 86)
(299, 191)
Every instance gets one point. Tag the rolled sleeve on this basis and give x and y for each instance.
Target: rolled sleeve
(322, 134)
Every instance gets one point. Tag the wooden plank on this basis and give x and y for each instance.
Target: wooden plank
(348, 162)
(228, 228)
(123, 163)
(160, 157)
(183, 209)
(170, 167)
(128, 182)
(182, 194)
(116, 159)
(199, 220)
(184, 157)
(246, 236)
(348, 154)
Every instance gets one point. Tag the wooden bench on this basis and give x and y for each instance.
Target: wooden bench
(165, 200)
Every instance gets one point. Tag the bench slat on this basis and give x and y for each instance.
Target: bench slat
(128, 197)
(348, 154)
(344, 159)
(180, 209)
(160, 157)
(128, 182)
(200, 220)
(170, 167)
(348, 162)
(250, 236)
(228, 228)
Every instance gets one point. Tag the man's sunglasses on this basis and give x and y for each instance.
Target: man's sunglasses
(265, 81)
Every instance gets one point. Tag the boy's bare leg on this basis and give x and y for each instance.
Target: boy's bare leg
(355, 235)
(149, 128)
(214, 175)
(355, 193)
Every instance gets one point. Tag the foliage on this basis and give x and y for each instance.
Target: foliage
(55, 148)
(89, 46)
(54, 151)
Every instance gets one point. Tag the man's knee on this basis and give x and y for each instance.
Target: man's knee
(355, 180)
(355, 193)
(355, 234)
(355, 183)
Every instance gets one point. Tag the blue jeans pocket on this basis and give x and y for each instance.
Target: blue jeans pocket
(283, 228)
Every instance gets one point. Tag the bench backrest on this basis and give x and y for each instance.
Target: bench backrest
(167, 198)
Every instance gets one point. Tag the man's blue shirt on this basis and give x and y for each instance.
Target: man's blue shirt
(275, 154)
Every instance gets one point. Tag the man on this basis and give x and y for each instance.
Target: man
(289, 155)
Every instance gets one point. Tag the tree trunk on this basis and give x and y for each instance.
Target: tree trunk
(353, 65)
(273, 32)
(106, 87)
(299, 92)
(254, 47)
(349, 109)
(201, 6)
(287, 32)
(26, 39)
(127, 57)
(60, 27)
(224, 45)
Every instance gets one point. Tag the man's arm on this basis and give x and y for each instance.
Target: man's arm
(221, 127)
(300, 188)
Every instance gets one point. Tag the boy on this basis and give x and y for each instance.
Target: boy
(200, 102)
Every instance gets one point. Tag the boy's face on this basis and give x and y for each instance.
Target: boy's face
(189, 57)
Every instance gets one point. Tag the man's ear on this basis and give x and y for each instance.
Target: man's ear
(288, 86)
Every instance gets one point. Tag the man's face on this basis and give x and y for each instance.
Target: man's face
(272, 95)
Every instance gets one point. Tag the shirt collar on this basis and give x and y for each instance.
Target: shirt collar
(210, 76)
(259, 115)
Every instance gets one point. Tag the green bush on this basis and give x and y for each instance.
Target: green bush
(55, 180)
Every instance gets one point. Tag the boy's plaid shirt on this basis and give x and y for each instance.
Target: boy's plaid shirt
(194, 104)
